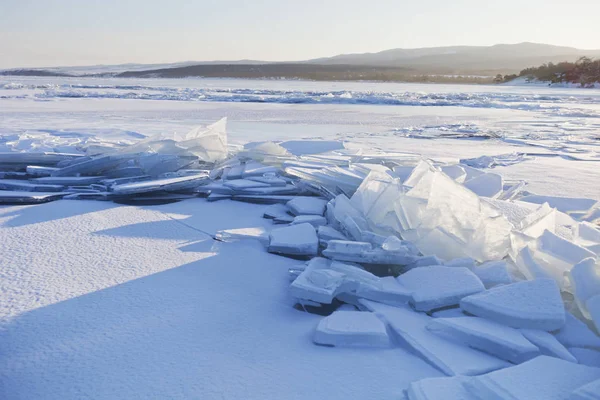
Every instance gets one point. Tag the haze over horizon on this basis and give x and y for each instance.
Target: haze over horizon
(36, 33)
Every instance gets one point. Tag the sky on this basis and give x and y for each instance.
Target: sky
(44, 33)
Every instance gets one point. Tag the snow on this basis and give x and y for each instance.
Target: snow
(587, 392)
(486, 185)
(587, 357)
(351, 329)
(576, 334)
(127, 302)
(548, 344)
(307, 205)
(493, 273)
(439, 389)
(543, 378)
(534, 304)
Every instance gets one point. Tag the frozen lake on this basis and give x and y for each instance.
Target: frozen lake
(105, 301)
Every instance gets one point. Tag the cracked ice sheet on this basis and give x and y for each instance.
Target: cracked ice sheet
(124, 302)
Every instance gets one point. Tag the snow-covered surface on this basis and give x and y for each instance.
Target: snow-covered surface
(534, 304)
(351, 329)
(99, 300)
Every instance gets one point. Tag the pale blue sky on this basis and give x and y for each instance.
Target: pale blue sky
(86, 32)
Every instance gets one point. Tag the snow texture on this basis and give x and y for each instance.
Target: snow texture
(351, 329)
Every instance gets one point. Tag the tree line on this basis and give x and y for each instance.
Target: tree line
(585, 72)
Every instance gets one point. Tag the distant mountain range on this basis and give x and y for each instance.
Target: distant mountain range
(395, 64)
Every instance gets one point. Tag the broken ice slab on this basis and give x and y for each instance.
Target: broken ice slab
(543, 378)
(327, 233)
(471, 172)
(320, 285)
(269, 180)
(125, 172)
(563, 204)
(456, 172)
(439, 286)
(39, 171)
(534, 304)
(577, 334)
(302, 147)
(439, 389)
(550, 256)
(541, 220)
(152, 198)
(88, 196)
(490, 337)
(466, 262)
(362, 252)
(216, 197)
(262, 199)
(448, 357)
(314, 220)
(68, 180)
(25, 186)
(257, 233)
(593, 307)
(585, 282)
(244, 184)
(351, 329)
(18, 197)
(258, 170)
(20, 161)
(386, 290)
(493, 273)
(588, 357)
(448, 313)
(275, 210)
(91, 165)
(307, 205)
(117, 181)
(295, 240)
(182, 183)
(587, 392)
(270, 190)
(486, 185)
(548, 344)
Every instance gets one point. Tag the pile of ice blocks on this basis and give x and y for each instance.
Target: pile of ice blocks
(483, 280)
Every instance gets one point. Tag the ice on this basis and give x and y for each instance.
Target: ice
(466, 262)
(296, 240)
(320, 285)
(534, 304)
(351, 329)
(550, 256)
(327, 233)
(259, 233)
(448, 388)
(269, 180)
(490, 337)
(275, 210)
(385, 290)
(593, 307)
(362, 252)
(495, 161)
(450, 358)
(587, 357)
(181, 183)
(548, 344)
(471, 172)
(448, 313)
(563, 204)
(263, 199)
(425, 262)
(307, 205)
(456, 172)
(587, 392)
(493, 273)
(19, 197)
(541, 220)
(244, 184)
(35, 170)
(439, 286)
(543, 378)
(577, 334)
(216, 197)
(486, 185)
(68, 180)
(585, 281)
(13, 184)
(314, 220)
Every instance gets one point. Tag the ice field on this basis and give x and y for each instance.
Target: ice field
(454, 228)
